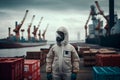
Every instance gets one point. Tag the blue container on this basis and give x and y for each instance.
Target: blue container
(106, 73)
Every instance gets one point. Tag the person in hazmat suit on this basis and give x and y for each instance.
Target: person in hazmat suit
(62, 62)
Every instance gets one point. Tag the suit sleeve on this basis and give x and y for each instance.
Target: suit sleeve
(49, 60)
(75, 61)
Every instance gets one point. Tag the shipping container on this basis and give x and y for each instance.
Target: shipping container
(89, 57)
(81, 50)
(106, 51)
(33, 55)
(103, 60)
(115, 60)
(108, 59)
(106, 73)
(11, 68)
(32, 70)
(44, 50)
(31, 65)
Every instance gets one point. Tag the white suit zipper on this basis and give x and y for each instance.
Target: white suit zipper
(61, 59)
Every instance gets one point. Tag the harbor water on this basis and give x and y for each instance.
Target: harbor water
(21, 51)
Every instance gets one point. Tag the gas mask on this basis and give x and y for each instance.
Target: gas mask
(60, 37)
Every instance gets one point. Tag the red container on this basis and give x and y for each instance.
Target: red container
(34, 55)
(41, 62)
(115, 60)
(82, 49)
(31, 69)
(108, 59)
(11, 68)
(38, 64)
(44, 56)
(38, 72)
(44, 50)
(103, 60)
(30, 66)
(38, 78)
(32, 75)
(106, 51)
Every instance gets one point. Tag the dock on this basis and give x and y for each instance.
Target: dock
(85, 73)
(90, 56)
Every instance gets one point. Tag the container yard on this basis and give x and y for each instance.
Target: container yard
(96, 63)
(97, 56)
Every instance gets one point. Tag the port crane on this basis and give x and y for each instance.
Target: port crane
(43, 34)
(39, 34)
(36, 28)
(86, 24)
(28, 30)
(106, 17)
(18, 26)
(98, 25)
(22, 30)
(91, 14)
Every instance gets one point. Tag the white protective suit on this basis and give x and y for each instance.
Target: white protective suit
(62, 59)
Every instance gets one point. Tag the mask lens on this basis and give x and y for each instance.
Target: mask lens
(60, 36)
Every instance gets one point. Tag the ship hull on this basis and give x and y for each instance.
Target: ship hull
(10, 44)
(107, 41)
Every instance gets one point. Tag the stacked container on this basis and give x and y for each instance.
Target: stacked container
(32, 70)
(33, 55)
(108, 59)
(106, 51)
(81, 50)
(106, 73)
(44, 54)
(11, 68)
(89, 57)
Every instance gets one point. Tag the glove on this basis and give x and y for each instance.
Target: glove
(73, 76)
(49, 76)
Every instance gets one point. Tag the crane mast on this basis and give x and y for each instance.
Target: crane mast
(45, 32)
(98, 25)
(91, 14)
(17, 28)
(28, 30)
(39, 34)
(36, 29)
(86, 25)
(102, 13)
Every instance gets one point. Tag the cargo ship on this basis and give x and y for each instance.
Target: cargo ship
(17, 41)
(108, 35)
(6, 43)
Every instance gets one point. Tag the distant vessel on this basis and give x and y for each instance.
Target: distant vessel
(5, 43)
(14, 41)
(109, 36)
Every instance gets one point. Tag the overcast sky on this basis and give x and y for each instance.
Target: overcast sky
(69, 13)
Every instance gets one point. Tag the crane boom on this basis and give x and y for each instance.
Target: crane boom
(45, 32)
(40, 22)
(86, 24)
(36, 29)
(17, 28)
(24, 18)
(32, 20)
(101, 12)
(28, 30)
(38, 25)
(87, 21)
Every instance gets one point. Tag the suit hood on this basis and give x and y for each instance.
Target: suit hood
(64, 30)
